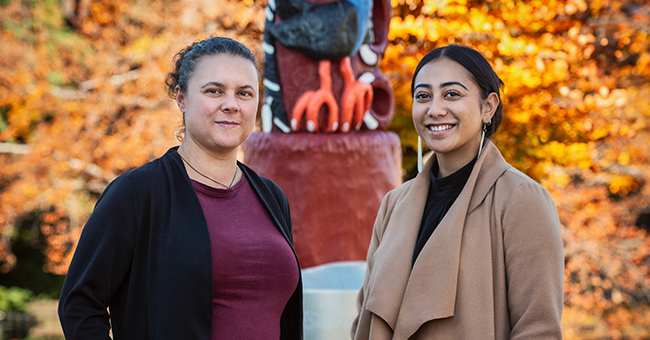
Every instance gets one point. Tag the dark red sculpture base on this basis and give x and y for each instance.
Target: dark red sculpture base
(334, 183)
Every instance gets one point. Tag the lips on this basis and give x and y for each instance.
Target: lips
(227, 123)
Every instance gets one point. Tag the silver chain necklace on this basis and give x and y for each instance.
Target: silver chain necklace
(198, 172)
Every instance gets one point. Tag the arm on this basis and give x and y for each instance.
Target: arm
(534, 263)
(101, 262)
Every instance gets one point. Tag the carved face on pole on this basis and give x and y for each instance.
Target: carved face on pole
(321, 72)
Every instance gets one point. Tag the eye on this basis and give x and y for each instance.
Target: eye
(213, 90)
(452, 93)
(246, 94)
(421, 96)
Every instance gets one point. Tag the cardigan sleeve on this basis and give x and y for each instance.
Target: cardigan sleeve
(286, 211)
(534, 263)
(100, 264)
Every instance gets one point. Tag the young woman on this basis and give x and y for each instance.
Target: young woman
(471, 248)
(192, 245)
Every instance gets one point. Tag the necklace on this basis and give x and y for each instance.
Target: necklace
(198, 172)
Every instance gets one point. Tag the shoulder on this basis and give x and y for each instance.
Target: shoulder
(521, 201)
(261, 184)
(399, 193)
(156, 174)
(395, 200)
(515, 183)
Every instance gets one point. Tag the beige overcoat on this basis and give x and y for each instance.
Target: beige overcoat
(492, 269)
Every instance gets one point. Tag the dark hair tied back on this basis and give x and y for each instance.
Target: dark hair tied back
(186, 59)
(480, 69)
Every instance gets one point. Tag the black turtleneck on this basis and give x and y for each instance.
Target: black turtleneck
(442, 194)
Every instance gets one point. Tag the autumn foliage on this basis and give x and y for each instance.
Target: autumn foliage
(82, 100)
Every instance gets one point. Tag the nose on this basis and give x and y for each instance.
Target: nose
(437, 109)
(230, 103)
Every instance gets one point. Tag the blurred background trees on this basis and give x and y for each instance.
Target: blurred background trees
(82, 100)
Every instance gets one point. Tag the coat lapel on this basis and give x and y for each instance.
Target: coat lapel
(391, 263)
(493, 166)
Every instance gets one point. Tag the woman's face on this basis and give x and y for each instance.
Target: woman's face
(220, 102)
(448, 111)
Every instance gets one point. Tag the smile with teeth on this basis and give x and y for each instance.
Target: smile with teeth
(439, 128)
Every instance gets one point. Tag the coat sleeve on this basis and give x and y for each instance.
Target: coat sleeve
(100, 264)
(534, 263)
(361, 324)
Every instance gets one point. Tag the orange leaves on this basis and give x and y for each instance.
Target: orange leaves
(88, 100)
(607, 261)
(148, 48)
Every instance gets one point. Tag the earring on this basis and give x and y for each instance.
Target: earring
(419, 154)
(480, 147)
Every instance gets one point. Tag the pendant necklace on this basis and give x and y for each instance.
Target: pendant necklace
(198, 172)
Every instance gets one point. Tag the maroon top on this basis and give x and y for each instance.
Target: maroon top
(254, 269)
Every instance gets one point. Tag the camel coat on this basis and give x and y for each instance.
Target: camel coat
(492, 269)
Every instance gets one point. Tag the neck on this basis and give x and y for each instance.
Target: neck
(448, 163)
(221, 168)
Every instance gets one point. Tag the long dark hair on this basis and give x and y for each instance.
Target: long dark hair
(480, 69)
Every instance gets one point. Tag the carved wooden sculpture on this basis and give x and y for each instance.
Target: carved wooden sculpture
(326, 106)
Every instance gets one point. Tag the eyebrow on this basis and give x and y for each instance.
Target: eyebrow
(446, 84)
(218, 84)
(450, 83)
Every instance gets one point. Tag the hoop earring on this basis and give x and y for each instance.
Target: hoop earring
(419, 154)
(480, 147)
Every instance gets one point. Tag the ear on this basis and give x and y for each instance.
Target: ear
(180, 98)
(490, 105)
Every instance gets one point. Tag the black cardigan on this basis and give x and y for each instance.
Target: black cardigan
(145, 253)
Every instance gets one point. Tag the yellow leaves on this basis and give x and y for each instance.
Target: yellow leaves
(622, 185)
(556, 177)
(480, 21)
(450, 8)
(138, 50)
(575, 154)
(514, 47)
(520, 75)
(431, 6)
(30, 190)
(520, 116)
(574, 6)
(420, 28)
(453, 10)
(553, 72)
(643, 64)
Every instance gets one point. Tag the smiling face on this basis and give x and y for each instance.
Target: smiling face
(220, 103)
(449, 112)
